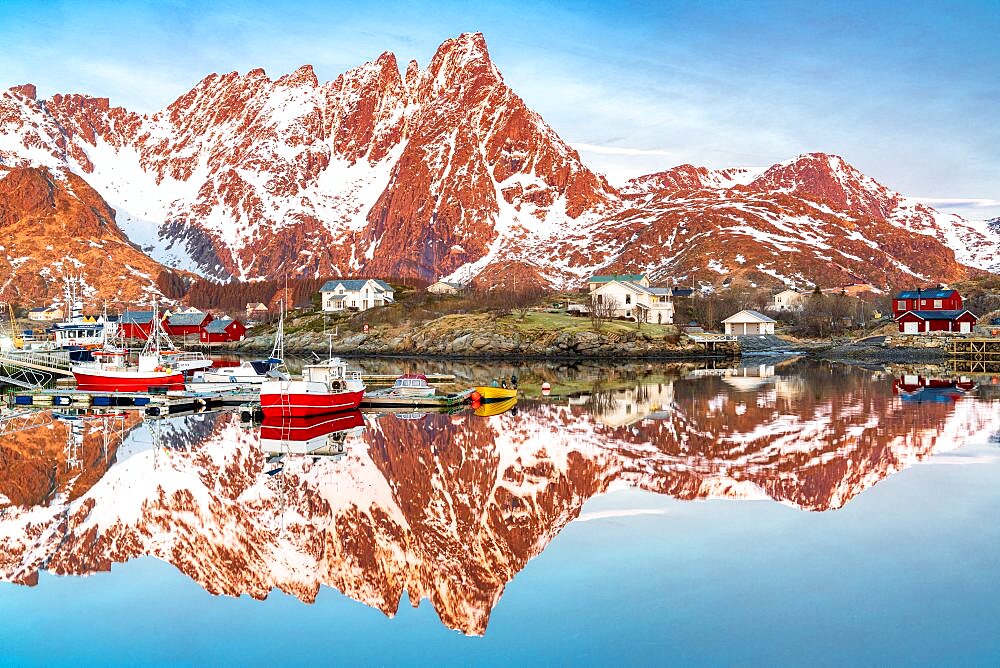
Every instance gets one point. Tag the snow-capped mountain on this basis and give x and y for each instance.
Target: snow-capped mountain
(445, 171)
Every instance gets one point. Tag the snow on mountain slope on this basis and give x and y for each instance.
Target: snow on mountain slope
(399, 513)
(444, 171)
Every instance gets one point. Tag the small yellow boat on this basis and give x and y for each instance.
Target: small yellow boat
(495, 407)
(488, 393)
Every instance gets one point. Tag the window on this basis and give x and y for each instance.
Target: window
(901, 304)
(628, 299)
(923, 302)
(937, 303)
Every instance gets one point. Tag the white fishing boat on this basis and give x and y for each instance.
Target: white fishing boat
(411, 385)
(248, 374)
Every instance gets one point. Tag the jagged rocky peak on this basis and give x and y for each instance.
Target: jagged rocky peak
(446, 171)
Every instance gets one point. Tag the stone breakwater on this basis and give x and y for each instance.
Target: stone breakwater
(474, 343)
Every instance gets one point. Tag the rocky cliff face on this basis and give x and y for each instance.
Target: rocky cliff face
(400, 513)
(55, 224)
(445, 171)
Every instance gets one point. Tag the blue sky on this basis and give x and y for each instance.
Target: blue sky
(909, 94)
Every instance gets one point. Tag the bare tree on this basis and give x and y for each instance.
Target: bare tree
(524, 298)
(641, 315)
(602, 309)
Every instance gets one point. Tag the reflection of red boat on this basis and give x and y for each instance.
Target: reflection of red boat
(302, 435)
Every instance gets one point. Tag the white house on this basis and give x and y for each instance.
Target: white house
(634, 300)
(45, 314)
(749, 322)
(788, 300)
(445, 288)
(256, 311)
(355, 295)
(597, 281)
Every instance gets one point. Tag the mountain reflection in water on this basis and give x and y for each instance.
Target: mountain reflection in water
(446, 507)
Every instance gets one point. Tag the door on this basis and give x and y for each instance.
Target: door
(911, 328)
(965, 327)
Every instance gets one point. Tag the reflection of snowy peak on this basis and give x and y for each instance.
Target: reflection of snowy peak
(401, 514)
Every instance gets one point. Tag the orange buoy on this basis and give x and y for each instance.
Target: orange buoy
(546, 388)
(475, 397)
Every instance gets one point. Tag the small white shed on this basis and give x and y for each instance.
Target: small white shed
(748, 323)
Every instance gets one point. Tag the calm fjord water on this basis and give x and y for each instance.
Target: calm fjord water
(660, 514)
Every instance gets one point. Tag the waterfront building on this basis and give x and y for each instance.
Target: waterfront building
(355, 295)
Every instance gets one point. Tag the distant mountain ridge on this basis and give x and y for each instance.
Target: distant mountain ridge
(445, 171)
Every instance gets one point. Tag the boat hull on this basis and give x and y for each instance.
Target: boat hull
(127, 380)
(489, 393)
(307, 429)
(305, 404)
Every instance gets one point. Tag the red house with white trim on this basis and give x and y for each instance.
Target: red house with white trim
(223, 330)
(926, 299)
(931, 310)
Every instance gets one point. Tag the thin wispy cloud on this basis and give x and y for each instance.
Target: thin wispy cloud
(735, 84)
(618, 150)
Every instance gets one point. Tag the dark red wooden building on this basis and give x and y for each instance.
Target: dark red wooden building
(184, 324)
(920, 322)
(223, 330)
(926, 299)
(136, 324)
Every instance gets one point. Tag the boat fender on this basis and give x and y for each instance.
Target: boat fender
(475, 397)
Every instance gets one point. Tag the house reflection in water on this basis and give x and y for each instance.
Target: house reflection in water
(445, 508)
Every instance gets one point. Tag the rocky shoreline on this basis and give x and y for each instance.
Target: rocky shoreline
(479, 344)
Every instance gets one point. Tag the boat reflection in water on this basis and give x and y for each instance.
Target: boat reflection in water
(318, 435)
(450, 507)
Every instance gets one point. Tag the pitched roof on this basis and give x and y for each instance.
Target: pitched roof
(631, 285)
(682, 292)
(751, 316)
(354, 285)
(934, 293)
(136, 317)
(622, 278)
(219, 325)
(939, 315)
(453, 284)
(186, 319)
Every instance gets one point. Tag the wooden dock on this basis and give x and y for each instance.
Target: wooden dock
(390, 378)
(152, 403)
(979, 355)
(438, 401)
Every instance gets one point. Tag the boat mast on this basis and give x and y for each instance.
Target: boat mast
(278, 351)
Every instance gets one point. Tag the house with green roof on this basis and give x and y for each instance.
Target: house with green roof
(355, 294)
(597, 280)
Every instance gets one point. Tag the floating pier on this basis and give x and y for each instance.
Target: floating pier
(153, 403)
(390, 378)
(376, 400)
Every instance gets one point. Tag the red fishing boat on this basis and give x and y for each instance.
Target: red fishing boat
(112, 371)
(324, 388)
